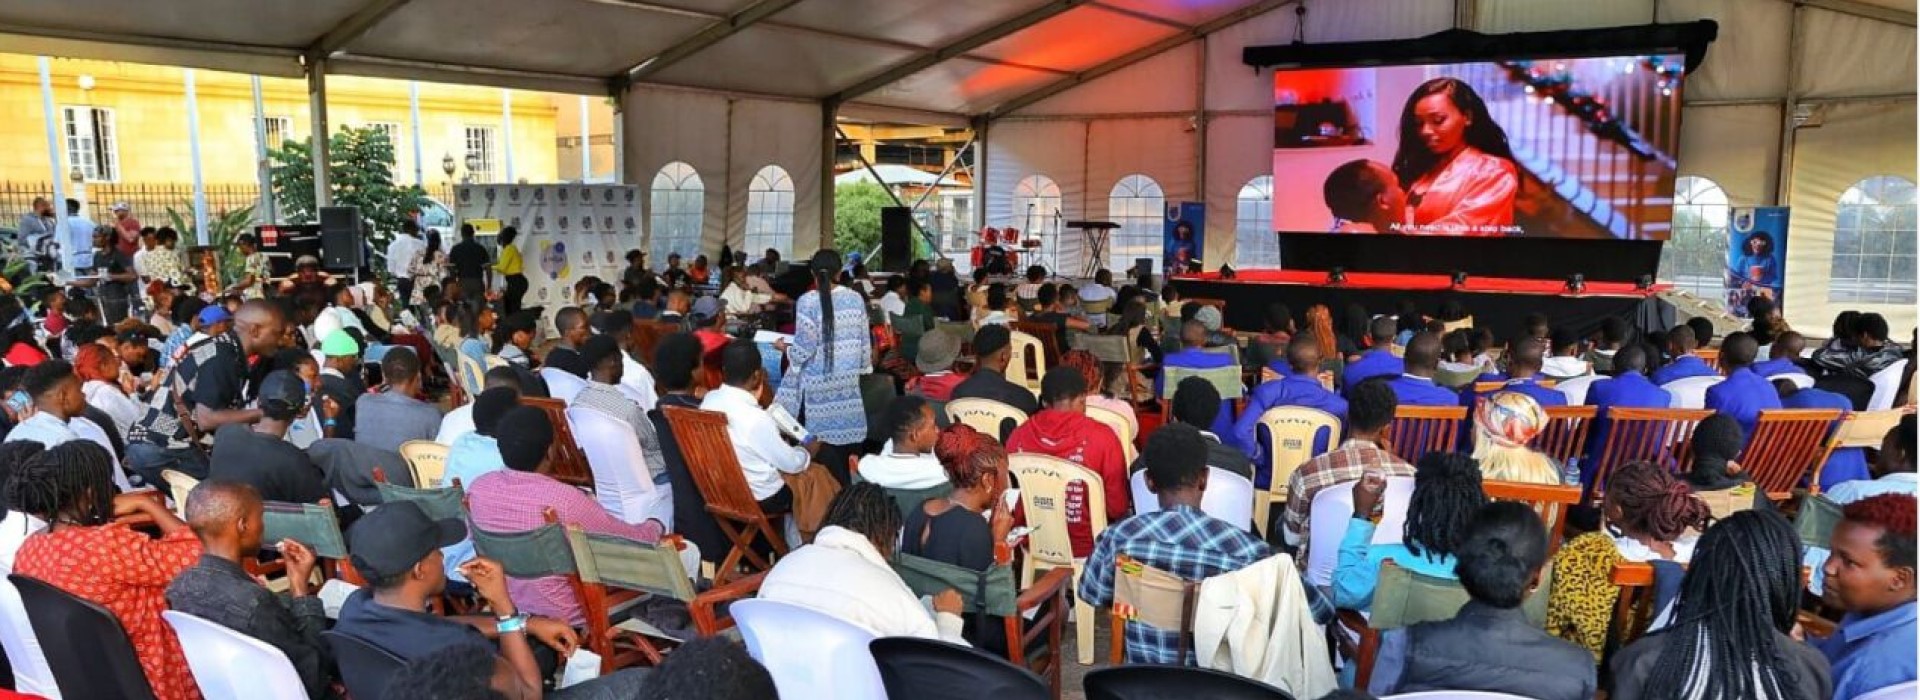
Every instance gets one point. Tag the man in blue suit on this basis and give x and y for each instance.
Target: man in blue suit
(1193, 335)
(1785, 358)
(1378, 362)
(1744, 394)
(1629, 388)
(1415, 386)
(1526, 356)
(1680, 345)
(1300, 387)
(1845, 464)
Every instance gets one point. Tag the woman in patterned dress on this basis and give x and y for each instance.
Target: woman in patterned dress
(86, 553)
(830, 351)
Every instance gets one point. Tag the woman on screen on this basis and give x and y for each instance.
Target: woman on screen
(1757, 267)
(1454, 162)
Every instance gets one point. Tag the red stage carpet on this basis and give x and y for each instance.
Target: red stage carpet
(1425, 283)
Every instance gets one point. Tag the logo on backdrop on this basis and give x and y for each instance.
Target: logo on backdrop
(1756, 257)
(1185, 234)
(553, 259)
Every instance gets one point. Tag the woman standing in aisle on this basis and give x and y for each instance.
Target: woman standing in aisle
(511, 266)
(831, 349)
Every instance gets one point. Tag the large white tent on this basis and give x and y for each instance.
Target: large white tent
(1797, 101)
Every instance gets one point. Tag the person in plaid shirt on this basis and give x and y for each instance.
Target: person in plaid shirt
(1178, 539)
(1370, 407)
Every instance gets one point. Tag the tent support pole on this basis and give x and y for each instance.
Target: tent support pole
(317, 120)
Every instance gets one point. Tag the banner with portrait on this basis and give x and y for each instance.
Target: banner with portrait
(1185, 233)
(567, 232)
(1756, 257)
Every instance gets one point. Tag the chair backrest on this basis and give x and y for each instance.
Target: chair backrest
(1903, 691)
(439, 504)
(1799, 380)
(1226, 380)
(1228, 497)
(1786, 445)
(1690, 392)
(426, 460)
(1711, 356)
(1659, 435)
(178, 486)
(473, 375)
(909, 500)
(1417, 430)
(992, 591)
(496, 361)
(1816, 519)
(647, 334)
(1047, 333)
(1158, 599)
(526, 554)
(929, 669)
(1043, 490)
(228, 665)
(565, 461)
(1886, 383)
(1865, 428)
(1029, 361)
(1332, 509)
(810, 654)
(31, 675)
(987, 416)
(623, 563)
(1565, 435)
(1293, 432)
(1121, 429)
(710, 458)
(621, 482)
(311, 524)
(1152, 682)
(1551, 502)
(561, 384)
(86, 648)
(365, 668)
(1403, 598)
(1576, 388)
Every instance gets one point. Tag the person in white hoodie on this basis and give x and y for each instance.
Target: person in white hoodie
(907, 460)
(844, 573)
(1566, 362)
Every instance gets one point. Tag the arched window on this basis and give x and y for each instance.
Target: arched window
(1695, 257)
(1035, 200)
(1138, 206)
(1873, 247)
(1254, 241)
(770, 213)
(679, 202)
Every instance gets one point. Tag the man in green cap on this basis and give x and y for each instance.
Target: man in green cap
(340, 379)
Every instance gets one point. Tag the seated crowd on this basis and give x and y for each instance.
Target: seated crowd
(306, 463)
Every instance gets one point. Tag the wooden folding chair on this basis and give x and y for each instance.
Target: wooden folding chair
(1226, 380)
(1709, 355)
(1659, 435)
(715, 467)
(566, 462)
(426, 459)
(646, 337)
(1859, 429)
(1788, 445)
(1417, 430)
(1033, 644)
(1049, 336)
(1633, 611)
(316, 526)
(1292, 433)
(1403, 598)
(1145, 595)
(1551, 502)
(1565, 436)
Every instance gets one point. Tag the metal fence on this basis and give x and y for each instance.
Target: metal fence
(150, 201)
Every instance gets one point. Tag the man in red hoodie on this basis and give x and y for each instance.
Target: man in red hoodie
(1062, 429)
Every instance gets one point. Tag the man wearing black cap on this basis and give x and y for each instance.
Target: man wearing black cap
(396, 547)
(259, 455)
(993, 348)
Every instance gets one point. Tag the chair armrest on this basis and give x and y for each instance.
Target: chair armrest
(1365, 650)
(704, 606)
(1048, 586)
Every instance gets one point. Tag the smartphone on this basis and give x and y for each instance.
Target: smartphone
(1012, 497)
(1017, 533)
(18, 401)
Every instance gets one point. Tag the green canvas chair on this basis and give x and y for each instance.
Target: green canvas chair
(449, 503)
(316, 526)
(1033, 644)
(1817, 517)
(1404, 598)
(910, 499)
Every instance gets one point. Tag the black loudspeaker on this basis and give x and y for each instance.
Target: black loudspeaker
(896, 239)
(340, 237)
(1143, 267)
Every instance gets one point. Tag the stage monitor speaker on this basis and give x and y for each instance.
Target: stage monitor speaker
(340, 237)
(1143, 267)
(896, 239)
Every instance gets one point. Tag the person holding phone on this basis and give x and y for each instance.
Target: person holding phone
(963, 528)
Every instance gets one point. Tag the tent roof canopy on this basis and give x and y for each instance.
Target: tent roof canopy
(930, 56)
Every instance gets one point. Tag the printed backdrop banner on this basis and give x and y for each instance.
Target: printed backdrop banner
(1756, 256)
(567, 232)
(1185, 233)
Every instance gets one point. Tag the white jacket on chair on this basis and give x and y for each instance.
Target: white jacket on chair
(1255, 623)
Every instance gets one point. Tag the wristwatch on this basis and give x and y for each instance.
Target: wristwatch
(511, 623)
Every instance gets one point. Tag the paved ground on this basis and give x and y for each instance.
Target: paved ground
(1071, 672)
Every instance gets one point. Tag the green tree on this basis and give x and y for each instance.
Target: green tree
(360, 173)
(856, 216)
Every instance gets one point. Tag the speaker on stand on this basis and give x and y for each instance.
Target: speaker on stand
(340, 234)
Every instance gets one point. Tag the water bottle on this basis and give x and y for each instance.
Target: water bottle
(1570, 472)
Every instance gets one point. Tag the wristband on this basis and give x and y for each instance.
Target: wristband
(329, 422)
(511, 624)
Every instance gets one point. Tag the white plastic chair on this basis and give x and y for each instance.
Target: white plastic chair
(31, 675)
(1799, 380)
(1043, 492)
(810, 654)
(985, 415)
(621, 482)
(1903, 691)
(1332, 509)
(1576, 388)
(1229, 496)
(1886, 383)
(561, 384)
(1457, 695)
(1690, 392)
(228, 665)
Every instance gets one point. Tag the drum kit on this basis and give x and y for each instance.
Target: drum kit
(1000, 250)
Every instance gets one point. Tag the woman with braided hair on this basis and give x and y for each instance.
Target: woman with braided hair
(831, 349)
(85, 552)
(18, 524)
(844, 573)
(1730, 634)
(1446, 494)
(1653, 515)
(1101, 377)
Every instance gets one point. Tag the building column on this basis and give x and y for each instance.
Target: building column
(829, 138)
(263, 165)
(419, 160)
(586, 142)
(200, 235)
(317, 123)
(506, 120)
(53, 150)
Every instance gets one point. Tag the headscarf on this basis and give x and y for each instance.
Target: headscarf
(824, 265)
(1506, 423)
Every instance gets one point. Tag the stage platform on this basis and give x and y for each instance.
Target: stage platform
(1495, 302)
